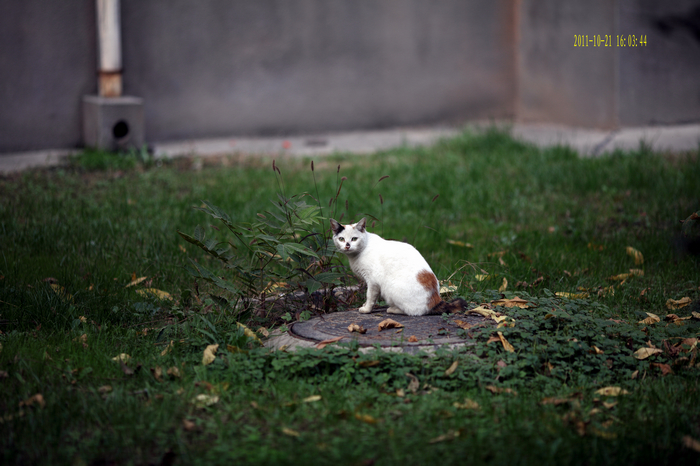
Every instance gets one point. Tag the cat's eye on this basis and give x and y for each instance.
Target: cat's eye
(354, 239)
(341, 239)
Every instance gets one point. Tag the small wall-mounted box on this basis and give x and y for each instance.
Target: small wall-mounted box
(113, 123)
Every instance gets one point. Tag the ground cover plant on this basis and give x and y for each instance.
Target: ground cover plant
(126, 342)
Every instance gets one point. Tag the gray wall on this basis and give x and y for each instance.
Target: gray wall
(209, 68)
(47, 62)
(607, 87)
(226, 67)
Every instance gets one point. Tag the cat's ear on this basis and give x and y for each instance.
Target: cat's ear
(360, 226)
(337, 227)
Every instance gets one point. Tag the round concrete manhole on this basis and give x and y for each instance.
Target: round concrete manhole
(417, 333)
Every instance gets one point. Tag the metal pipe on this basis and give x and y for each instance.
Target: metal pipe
(109, 45)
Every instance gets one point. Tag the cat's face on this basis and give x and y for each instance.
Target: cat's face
(349, 239)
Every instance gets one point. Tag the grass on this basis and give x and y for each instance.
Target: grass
(546, 221)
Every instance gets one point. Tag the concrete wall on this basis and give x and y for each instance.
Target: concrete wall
(212, 68)
(47, 62)
(608, 87)
(226, 67)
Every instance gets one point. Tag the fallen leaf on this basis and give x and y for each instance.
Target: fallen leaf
(567, 295)
(695, 315)
(366, 418)
(504, 285)
(173, 372)
(665, 368)
(450, 435)
(643, 353)
(460, 243)
(692, 343)
(61, 292)
(453, 367)
(678, 304)
(311, 399)
(634, 375)
(596, 350)
(81, 339)
(290, 432)
(104, 389)
(264, 332)
(481, 277)
(414, 384)
(611, 391)
(638, 257)
(37, 399)
(507, 346)
(388, 323)
(135, 281)
(209, 354)
(157, 373)
(167, 348)
(412, 339)
(482, 311)
(463, 324)
(126, 369)
(188, 425)
(248, 332)
(556, 401)
(324, 343)
(690, 443)
(203, 400)
(357, 328)
(468, 404)
(160, 294)
(625, 276)
(515, 302)
(493, 389)
(650, 319)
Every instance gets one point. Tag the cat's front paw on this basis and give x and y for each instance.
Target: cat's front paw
(365, 309)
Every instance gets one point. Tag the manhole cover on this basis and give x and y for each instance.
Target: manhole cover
(432, 330)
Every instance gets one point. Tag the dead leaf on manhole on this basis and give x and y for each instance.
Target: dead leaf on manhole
(388, 323)
(324, 343)
(463, 324)
(412, 339)
(357, 328)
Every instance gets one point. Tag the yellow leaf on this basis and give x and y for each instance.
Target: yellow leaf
(565, 294)
(290, 432)
(503, 286)
(135, 281)
(209, 354)
(643, 353)
(123, 357)
(677, 304)
(203, 400)
(160, 294)
(356, 328)
(481, 277)
(388, 323)
(157, 373)
(37, 399)
(248, 332)
(460, 243)
(650, 319)
(488, 313)
(167, 348)
(690, 443)
(366, 418)
(611, 391)
(61, 292)
(596, 350)
(452, 368)
(468, 404)
(494, 389)
(324, 343)
(83, 319)
(450, 435)
(507, 346)
(638, 257)
(311, 399)
(515, 302)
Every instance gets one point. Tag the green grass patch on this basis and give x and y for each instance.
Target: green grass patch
(486, 211)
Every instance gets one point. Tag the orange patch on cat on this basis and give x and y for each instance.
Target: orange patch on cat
(429, 282)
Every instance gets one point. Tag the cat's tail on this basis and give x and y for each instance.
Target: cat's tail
(454, 306)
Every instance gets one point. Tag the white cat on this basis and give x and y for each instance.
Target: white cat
(392, 269)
